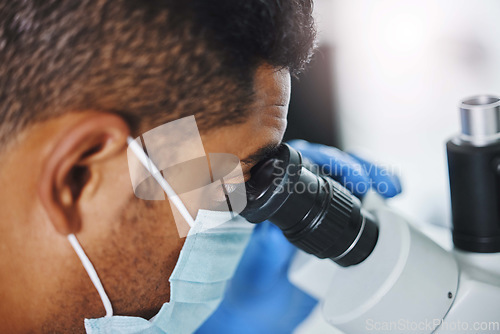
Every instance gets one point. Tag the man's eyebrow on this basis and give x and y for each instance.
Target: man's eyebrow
(261, 154)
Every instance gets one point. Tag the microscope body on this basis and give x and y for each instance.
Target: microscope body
(415, 283)
(379, 272)
(409, 284)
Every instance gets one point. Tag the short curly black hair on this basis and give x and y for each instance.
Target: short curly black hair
(148, 60)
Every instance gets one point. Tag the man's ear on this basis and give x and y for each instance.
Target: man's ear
(91, 139)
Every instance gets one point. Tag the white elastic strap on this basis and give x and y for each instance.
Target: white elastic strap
(153, 170)
(92, 274)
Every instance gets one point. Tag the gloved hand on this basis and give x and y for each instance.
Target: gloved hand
(353, 172)
(260, 298)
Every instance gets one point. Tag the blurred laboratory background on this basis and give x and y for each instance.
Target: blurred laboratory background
(387, 81)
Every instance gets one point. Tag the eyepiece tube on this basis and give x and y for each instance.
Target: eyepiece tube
(480, 116)
(314, 212)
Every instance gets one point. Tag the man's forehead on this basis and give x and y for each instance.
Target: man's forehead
(272, 86)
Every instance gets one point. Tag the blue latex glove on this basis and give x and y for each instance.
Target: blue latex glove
(260, 299)
(351, 171)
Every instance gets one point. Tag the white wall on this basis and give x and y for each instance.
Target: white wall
(401, 68)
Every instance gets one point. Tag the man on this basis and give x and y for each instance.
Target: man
(77, 78)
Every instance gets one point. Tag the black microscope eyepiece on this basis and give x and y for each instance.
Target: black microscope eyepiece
(315, 213)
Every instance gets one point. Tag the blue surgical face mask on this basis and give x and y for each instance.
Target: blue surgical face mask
(208, 260)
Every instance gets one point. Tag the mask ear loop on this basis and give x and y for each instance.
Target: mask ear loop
(153, 170)
(92, 274)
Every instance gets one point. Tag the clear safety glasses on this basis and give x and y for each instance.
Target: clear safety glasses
(169, 162)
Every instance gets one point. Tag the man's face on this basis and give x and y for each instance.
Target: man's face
(249, 141)
(132, 243)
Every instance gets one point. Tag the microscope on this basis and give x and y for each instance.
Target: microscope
(373, 270)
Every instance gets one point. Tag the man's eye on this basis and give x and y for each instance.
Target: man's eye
(229, 187)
